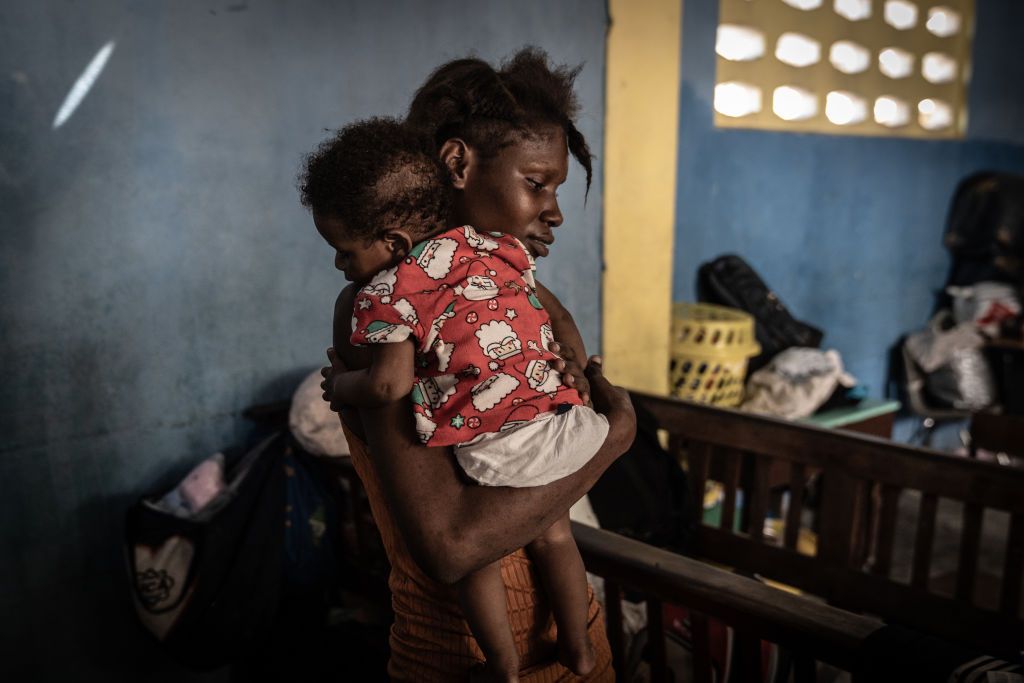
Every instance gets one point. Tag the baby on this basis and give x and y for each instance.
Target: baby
(451, 316)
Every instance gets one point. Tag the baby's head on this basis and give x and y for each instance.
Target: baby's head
(375, 189)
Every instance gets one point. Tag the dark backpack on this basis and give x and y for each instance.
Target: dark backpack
(730, 281)
(643, 494)
(985, 231)
(209, 587)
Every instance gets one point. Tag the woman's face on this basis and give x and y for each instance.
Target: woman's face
(516, 191)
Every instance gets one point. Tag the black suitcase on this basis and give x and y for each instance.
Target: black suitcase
(730, 281)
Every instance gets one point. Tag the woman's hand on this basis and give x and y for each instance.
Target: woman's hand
(572, 372)
(329, 374)
(609, 399)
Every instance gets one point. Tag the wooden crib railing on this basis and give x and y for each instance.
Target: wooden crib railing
(807, 629)
(861, 480)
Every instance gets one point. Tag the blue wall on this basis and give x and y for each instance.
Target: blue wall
(848, 230)
(159, 275)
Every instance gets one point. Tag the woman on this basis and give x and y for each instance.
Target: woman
(504, 136)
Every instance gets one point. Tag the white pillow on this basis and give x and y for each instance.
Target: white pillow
(312, 422)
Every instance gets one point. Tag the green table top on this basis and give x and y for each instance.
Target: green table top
(865, 410)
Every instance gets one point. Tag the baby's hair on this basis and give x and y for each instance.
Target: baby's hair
(468, 99)
(376, 175)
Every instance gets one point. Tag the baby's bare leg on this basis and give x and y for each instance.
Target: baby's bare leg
(483, 601)
(561, 571)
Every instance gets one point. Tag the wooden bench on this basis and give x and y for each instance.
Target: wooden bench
(857, 473)
(755, 611)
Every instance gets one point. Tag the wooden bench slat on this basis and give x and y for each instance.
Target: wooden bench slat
(804, 669)
(924, 540)
(797, 482)
(1013, 567)
(700, 634)
(656, 642)
(838, 502)
(746, 657)
(890, 502)
(698, 458)
(758, 493)
(731, 481)
(613, 617)
(967, 565)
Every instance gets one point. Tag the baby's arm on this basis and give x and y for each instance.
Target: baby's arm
(389, 377)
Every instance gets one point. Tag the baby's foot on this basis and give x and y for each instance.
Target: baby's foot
(577, 655)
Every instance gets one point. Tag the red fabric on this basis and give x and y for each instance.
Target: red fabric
(481, 334)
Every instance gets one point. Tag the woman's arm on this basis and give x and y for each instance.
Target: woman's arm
(451, 526)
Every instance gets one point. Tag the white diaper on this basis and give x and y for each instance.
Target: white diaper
(536, 453)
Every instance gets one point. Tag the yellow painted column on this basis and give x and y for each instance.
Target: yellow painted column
(641, 130)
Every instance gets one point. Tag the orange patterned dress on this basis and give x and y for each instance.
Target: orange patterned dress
(430, 640)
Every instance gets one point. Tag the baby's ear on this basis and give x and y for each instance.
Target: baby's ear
(399, 242)
(454, 154)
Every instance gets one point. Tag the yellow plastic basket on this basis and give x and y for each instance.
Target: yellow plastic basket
(710, 349)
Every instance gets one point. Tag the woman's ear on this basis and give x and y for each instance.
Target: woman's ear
(455, 156)
(399, 242)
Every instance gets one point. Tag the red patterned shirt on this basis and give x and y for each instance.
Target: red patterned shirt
(482, 361)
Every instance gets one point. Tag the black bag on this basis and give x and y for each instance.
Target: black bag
(985, 232)
(644, 494)
(209, 587)
(730, 281)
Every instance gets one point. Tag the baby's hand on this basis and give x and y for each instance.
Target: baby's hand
(572, 371)
(330, 373)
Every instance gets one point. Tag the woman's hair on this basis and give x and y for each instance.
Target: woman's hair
(468, 99)
(377, 175)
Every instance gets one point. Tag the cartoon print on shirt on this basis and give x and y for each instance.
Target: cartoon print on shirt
(492, 390)
(382, 285)
(435, 327)
(477, 241)
(547, 336)
(527, 274)
(532, 298)
(437, 390)
(519, 416)
(542, 377)
(381, 332)
(498, 340)
(434, 256)
(476, 335)
(479, 285)
(425, 426)
(444, 354)
(407, 312)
